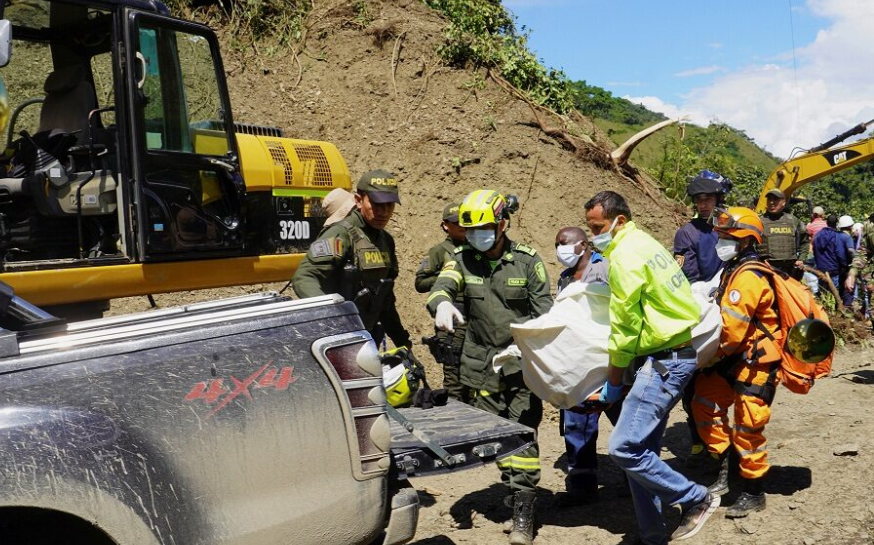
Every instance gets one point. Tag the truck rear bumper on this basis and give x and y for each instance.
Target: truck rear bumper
(403, 518)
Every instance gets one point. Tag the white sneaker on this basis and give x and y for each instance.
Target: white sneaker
(695, 517)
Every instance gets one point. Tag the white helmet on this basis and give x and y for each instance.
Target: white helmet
(845, 221)
(857, 227)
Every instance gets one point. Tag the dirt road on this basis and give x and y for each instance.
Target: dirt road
(820, 490)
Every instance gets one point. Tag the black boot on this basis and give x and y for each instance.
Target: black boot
(751, 500)
(720, 486)
(522, 532)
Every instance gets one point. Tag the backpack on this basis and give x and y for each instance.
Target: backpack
(794, 303)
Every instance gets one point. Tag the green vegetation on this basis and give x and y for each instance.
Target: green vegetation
(599, 103)
(248, 20)
(670, 159)
(482, 34)
(848, 192)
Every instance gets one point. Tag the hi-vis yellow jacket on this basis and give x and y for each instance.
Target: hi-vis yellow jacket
(651, 303)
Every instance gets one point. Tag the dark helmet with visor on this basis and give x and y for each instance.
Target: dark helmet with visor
(708, 183)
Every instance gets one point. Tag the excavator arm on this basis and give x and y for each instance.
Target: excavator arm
(818, 162)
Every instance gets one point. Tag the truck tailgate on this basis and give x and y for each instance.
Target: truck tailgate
(472, 436)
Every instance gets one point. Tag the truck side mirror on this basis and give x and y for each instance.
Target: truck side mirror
(5, 42)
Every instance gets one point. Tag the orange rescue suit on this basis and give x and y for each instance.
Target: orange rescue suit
(745, 376)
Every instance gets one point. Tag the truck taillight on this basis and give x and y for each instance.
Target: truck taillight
(355, 360)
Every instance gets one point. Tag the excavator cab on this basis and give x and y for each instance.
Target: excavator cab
(114, 153)
(122, 171)
(191, 195)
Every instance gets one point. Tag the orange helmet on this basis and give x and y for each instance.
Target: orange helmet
(738, 222)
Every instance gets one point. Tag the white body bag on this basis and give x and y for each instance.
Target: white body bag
(564, 352)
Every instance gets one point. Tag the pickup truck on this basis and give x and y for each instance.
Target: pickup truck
(250, 420)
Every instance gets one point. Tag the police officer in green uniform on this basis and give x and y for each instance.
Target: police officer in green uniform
(786, 244)
(445, 346)
(503, 283)
(356, 258)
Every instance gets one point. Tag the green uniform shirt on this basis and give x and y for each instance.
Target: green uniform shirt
(322, 272)
(651, 303)
(509, 290)
(433, 263)
(785, 239)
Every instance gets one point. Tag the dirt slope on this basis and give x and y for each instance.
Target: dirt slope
(449, 131)
(444, 133)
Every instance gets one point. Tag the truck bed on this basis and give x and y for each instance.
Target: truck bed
(473, 436)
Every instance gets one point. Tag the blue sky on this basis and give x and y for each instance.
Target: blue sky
(731, 61)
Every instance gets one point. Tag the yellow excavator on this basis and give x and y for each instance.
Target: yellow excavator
(125, 172)
(818, 162)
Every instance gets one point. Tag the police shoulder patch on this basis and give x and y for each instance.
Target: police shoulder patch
(461, 248)
(320, 248)
(526, 249)
(681, 259)
(326, 247)
(734, 296)
(449, 266)
(540, 269)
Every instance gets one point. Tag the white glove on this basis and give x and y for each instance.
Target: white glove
(447, 316)
(512, 352)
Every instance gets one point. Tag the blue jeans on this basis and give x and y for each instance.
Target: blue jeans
(580, 433)
(637, 439)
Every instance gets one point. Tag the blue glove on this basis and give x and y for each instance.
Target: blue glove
(610, 394)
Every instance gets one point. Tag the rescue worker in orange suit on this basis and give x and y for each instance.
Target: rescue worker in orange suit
(745, 374)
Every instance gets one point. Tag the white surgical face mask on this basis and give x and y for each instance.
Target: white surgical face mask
(566, 255)
(604, 239)
(481, 239)
(726, 249)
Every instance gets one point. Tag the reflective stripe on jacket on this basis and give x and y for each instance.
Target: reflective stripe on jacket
(509, 290)
(748, 296)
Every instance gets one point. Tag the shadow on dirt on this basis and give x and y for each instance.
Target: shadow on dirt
(787, 480)
(862, 376)
(436, 540)
(613, 512)
(426, 499)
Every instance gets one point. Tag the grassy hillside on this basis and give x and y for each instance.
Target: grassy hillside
(650, 152)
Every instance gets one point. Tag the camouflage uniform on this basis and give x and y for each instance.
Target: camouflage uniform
(358, 262)
(426, 276)
(509, 290)
(863, 263)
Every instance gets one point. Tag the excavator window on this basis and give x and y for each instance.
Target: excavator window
(189, 192)
(183, 109)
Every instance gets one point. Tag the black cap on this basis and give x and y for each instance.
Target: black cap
(450, 213)
(380, 185)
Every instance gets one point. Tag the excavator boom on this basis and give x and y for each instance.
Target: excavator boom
(818, 162)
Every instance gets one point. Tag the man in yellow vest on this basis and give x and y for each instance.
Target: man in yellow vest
(652, 313)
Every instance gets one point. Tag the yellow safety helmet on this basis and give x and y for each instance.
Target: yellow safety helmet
(401, 376)
(399, 386)
(481, 207)
(4, 105)
(739, 222)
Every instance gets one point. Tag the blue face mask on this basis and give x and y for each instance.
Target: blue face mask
(604, 239)
(481, 239)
